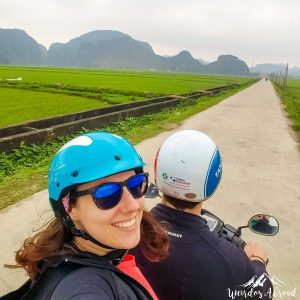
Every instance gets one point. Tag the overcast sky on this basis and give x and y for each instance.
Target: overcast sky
(258, 31)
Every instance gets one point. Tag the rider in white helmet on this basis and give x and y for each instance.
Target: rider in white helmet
(201, 265)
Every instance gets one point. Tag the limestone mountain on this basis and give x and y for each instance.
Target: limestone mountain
(295, 71)
(228, 64)
(18, 48)
(107, 49)
(182, 62)
(102, 49)
(265, 69)
(268, 68)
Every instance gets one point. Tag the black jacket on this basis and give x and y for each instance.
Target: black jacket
(201, 265)
(81, 276)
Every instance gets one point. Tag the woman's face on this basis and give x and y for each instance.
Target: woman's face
(118, 227)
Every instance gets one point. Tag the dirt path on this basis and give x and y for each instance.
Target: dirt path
(261, 164)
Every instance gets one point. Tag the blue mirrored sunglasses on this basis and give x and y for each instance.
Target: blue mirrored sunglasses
(108, 195)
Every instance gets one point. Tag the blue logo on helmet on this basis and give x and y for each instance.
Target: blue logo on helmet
(214, 174)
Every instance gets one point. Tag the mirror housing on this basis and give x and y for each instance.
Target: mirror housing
(264, 224)
(152, 191)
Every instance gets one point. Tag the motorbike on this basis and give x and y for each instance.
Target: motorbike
(263, 224)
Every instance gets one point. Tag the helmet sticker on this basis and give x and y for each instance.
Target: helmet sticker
(214, 174)
(190, 195)
(179, 181)
(66, 203)
(79, 141)
(176, 182)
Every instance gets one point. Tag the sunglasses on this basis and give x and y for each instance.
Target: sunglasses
(108, 195)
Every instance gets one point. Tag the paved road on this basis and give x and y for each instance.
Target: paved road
(261, 164)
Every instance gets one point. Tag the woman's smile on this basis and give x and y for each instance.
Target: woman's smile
(125, 224)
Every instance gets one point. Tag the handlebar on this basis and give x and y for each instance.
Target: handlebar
(227, 231)
(231, 234)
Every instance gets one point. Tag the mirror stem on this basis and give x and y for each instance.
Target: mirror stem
(239, 231)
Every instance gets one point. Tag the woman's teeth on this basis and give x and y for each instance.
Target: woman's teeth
(126, 224)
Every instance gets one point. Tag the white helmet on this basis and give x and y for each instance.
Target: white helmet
(188, 166)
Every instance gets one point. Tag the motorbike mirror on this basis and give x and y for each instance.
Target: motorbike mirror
(152, 191)
(264, 224)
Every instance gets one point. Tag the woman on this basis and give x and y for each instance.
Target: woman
(96, 187)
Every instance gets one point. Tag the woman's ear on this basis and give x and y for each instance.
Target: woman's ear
(69, 204)
(73, 213)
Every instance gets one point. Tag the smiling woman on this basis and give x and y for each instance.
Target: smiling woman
(96, 188)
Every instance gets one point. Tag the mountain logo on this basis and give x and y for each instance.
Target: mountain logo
(256, 281)
(254, 288)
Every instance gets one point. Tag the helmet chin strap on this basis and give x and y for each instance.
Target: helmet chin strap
(86, 236)
(81, 233)
(115, 257)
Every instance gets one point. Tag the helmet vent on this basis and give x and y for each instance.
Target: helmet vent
(75, 174)
(117, 157)
(57, 184)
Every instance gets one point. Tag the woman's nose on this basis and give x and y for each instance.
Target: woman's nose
(128, 202)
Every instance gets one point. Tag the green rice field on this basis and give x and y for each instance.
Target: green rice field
(119, 80)
(47, 92)
(21, 106)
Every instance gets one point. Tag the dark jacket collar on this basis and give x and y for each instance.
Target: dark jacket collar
(83, 258)
(185, 221)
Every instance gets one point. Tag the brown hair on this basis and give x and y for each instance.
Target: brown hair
(180, 204)
(51, 240)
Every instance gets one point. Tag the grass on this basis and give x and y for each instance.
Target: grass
(291, 100)
(26, 168)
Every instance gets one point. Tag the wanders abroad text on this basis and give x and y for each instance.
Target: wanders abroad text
(251, 289)
(277, 293)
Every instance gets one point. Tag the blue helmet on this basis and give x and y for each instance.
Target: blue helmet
(89, 157)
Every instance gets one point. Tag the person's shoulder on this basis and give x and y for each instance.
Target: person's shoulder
(214, 248)
(85, 283)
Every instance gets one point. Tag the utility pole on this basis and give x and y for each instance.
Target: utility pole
(285, 79)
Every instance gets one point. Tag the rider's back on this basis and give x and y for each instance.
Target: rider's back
(201, 265)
